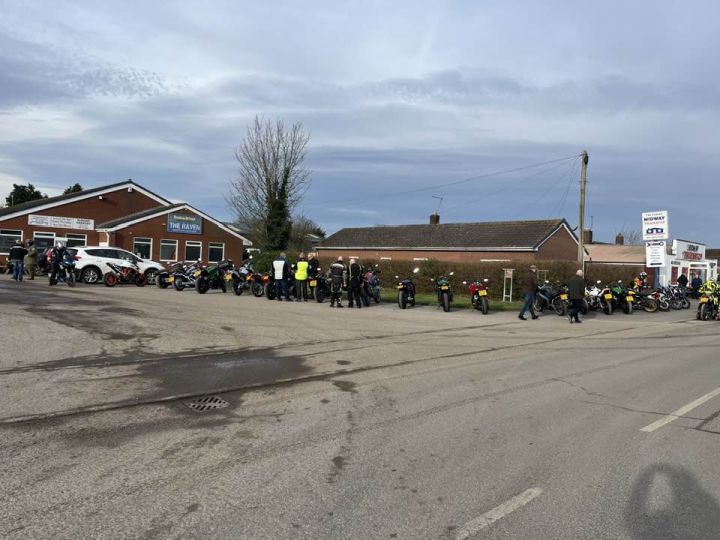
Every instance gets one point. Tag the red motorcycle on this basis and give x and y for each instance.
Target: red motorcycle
(479, 295)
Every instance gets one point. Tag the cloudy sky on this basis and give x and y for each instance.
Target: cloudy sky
(398, 96)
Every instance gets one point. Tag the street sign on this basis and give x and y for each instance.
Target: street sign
(184, 223)
(655, 254)
(655, 226)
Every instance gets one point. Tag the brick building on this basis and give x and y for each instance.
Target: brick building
(540, 239)
(124, 215)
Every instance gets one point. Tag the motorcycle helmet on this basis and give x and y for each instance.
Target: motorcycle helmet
(59, 244)
(643, 275)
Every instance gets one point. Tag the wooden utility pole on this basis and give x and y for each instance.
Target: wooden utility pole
(581, 226)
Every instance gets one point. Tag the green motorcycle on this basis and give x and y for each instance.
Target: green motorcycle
(214, 277)
(443, 289)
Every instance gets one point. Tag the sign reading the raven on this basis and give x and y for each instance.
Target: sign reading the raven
(184, 223)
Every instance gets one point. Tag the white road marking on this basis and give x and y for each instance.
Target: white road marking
(476, 525)
(680, 412)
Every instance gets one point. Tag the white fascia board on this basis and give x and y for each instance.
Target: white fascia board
(472, 249)
(165, 211)
(82, 197)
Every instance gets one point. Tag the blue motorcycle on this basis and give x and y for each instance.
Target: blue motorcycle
(66, 272)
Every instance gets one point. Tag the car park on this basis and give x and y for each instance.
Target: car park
(92, 262)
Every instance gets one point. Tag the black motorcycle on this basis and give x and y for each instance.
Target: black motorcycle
(215, 277)
(406, 290)
(162, 277)
(546, 298)
(321, 286)
(269, 280)
(185, 277)
(371, 286)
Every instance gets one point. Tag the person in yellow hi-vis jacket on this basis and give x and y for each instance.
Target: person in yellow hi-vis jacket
(301, 278)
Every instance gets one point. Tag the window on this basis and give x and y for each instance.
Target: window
(193, 250)
(168, 250)
(74, 239)
(124, 255)
(216, 252)
(142, 247)
(8, 237)
(98, 252)
(44, 239)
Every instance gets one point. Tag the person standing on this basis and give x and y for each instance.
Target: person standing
(682, 282)
(16, 257)
(696, 284)
(576, 293)
(281, 270)
(56, 256)
(31, 259)
(338, 273)
(301, 278)
(313, 271)
(354, 283)
(529, 285)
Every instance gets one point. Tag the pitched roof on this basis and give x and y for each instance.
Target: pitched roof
(615, 254)
(138, 215)
(126, 221)
(27, 207)
(479, 236)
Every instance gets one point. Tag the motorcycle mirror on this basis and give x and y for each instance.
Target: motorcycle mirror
(416, 270)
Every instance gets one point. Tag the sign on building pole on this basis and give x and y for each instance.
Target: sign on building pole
(655, 252)
(655, 231)
(508, 284)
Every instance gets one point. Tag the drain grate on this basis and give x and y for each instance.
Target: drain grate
(206, 404)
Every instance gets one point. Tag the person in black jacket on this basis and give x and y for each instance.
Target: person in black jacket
(56, 256)
(576, 293)
(16, 257)
(682, 282)
(338, 273)
(313, 266)
(354, 283)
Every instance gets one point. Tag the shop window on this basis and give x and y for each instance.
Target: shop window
(142, 247)
(193, 251)
(43, 239)
(8, 237)
(74, 240)
(216, 252)
(168, 250)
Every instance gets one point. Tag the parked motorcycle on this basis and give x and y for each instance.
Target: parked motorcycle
(269, 284)
(371, 286)
(406, 290)
(185, 277)
(124, 272)
(707, 307)
(444, 291)
(623, 298)
(600, 298)
(66, 272)
(479, 295)
(320, 284)
(162, 277)
(215, 277)
(644, 301)
(251, 279)
(546, 298)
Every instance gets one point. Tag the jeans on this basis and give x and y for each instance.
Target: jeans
(281, 287)
(683, 292)
(18, 268)
(529, 299)
(301, 291)
(576, 307)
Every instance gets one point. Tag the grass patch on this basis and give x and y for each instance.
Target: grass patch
(460, 301)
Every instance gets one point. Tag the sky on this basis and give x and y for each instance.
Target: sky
(397, 96)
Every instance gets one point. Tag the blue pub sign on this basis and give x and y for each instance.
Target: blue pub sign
(184, 223)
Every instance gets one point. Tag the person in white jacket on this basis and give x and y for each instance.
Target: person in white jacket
(281, 270)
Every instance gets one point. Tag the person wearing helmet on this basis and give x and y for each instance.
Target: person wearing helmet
(640, 281)
(56, 256)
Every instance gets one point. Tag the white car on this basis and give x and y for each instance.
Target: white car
(91, 262)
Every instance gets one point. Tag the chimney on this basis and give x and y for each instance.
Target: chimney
(587, 236)
(434, 218)
(619, 239)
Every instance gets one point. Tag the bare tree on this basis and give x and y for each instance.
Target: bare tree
(271, 181)
(302, 229)
(632, 237)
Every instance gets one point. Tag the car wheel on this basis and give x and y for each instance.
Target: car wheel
(150, 275)
(91, 275)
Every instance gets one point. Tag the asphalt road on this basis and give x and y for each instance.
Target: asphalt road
(363, 424)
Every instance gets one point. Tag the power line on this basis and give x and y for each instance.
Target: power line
(567, 191)
(506, 188)
(447, 184)
(542, 196)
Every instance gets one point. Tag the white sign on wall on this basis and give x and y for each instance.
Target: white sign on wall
(58, 222)
(655, 253)
(688, 251)
(655, 225)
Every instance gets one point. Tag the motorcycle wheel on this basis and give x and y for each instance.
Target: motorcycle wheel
(560, 307)
(71, 280)
(110, 279)
(664, 305)
(376, 297)
(446, 302)
(627, 308)
(161, 281)
(685, 303)
(202, 285)
(141, 280)
(257, 289)
(586, 307)
(270, 291)
(237, 287)
(538, 305)
(179, 285)
(319, 295)
(402, 299)
(366, 300)
(704, 313)
(484, 305)
(650, 305)
(607, 307)
(223, 286)
(676, 304)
